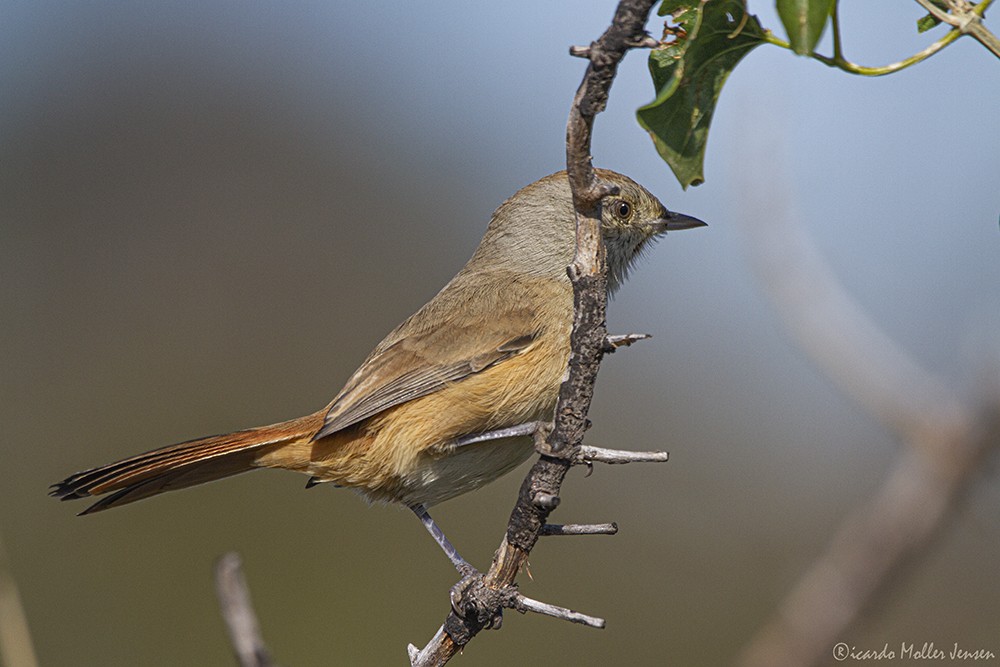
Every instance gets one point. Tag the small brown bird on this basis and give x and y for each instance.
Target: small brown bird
(434, 410)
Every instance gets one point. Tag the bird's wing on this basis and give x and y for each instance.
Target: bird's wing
(420, 363)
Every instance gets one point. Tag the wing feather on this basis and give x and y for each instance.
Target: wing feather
(381, 383)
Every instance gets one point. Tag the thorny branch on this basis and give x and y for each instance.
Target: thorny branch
(478, 603)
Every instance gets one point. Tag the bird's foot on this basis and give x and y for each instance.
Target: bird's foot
(472, 600)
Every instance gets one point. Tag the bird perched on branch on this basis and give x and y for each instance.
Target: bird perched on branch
(435, 409)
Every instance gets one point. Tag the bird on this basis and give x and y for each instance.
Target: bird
(440, 406)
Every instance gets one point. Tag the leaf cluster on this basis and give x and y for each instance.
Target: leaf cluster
(704, 40)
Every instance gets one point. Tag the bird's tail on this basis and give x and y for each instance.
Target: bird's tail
(184, 464)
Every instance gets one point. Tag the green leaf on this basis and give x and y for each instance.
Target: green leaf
(926, 22)
(804, 21)
(710, 39)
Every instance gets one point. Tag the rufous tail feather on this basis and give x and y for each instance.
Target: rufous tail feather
(182, 465)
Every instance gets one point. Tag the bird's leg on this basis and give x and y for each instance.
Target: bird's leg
(462, 565)
(528, 428)
(470, 575)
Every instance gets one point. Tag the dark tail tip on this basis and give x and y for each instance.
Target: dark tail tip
(66, 490)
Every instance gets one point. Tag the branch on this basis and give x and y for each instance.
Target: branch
(580, 529)
(826, 322)
(237, 611)
(479, 601)
(525, 604)
(16, 648)
(612, 343)
(874, 545)
(966, 19)
(945, 445)
(588, 454)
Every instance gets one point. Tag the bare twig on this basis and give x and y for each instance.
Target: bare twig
(524, 604)
(588, 273)
(580, 529)
(612, 343)
(588, 454)
(237, 612)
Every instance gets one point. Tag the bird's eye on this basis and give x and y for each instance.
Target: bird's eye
(622, 209)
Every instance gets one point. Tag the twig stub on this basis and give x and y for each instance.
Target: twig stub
(580, 529)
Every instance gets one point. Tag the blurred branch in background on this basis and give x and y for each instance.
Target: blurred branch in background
(16, 649)
(238, 613)
(944, 441)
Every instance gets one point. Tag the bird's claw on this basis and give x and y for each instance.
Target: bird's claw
(463, 607)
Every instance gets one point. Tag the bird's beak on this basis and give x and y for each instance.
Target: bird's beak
(674, 222)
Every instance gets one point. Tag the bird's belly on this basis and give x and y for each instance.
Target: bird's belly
(439, 477)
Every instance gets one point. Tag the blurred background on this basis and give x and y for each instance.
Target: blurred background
(211, 212)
